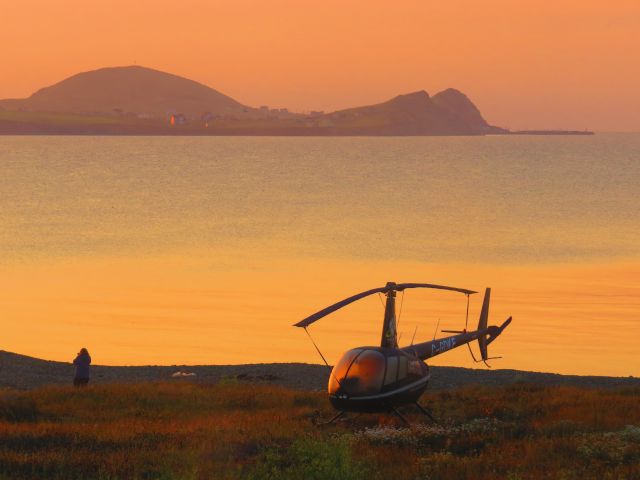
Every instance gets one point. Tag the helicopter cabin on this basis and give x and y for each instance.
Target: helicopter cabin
(374, 375)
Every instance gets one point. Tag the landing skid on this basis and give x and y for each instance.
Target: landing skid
(394, 410)
(318, 423)
(426, 412)
(400, 416)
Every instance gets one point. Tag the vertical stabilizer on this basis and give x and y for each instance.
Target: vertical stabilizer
(482, 323)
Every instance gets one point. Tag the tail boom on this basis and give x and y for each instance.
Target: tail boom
(484, 334)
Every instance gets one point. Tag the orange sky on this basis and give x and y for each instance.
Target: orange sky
(526, 64)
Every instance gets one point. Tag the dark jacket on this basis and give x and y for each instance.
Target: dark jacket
(82, 362)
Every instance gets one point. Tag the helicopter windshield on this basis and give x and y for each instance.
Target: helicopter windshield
(359, 372)
(340, 370)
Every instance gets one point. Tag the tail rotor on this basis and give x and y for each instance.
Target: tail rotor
(482, 325)
(487, 334)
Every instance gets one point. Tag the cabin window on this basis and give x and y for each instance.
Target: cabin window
(341, 368)
(365, 375)
(415, 368)
(402, 368)
(392, 370)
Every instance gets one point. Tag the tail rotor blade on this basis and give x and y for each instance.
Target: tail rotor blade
(482, 324)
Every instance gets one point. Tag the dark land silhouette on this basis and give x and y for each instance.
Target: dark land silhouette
(24, 372)
(136, 100)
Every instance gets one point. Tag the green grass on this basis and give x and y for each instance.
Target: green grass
(233, 431)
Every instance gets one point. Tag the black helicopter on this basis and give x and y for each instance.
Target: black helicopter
(381, 379)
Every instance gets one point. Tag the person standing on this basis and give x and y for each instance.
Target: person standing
(82, 362)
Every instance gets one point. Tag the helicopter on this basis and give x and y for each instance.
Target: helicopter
(380, 379)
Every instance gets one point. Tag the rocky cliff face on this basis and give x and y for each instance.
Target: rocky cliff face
(456, 104)
(447, 113)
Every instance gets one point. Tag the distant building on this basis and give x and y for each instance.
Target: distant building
(316, 113)
(177, 119)
(207, 117)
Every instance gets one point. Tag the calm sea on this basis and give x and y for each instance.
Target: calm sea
(207, 249)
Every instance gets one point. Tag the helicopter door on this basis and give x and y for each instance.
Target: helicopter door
(392, 370)
(402, 368)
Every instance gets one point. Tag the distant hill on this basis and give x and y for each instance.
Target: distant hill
(456, 105)
(122, 90)
(447, 113)
(136, 100)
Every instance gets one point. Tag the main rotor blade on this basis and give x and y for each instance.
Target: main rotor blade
(326, 311)
(389, 286)
(402, 286)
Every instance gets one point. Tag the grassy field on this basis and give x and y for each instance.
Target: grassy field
(231, 430)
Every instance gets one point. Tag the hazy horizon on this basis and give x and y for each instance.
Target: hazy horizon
(525, 65)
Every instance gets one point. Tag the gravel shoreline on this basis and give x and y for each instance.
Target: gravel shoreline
(22, 372)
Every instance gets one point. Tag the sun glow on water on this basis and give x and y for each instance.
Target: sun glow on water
(207, 250)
